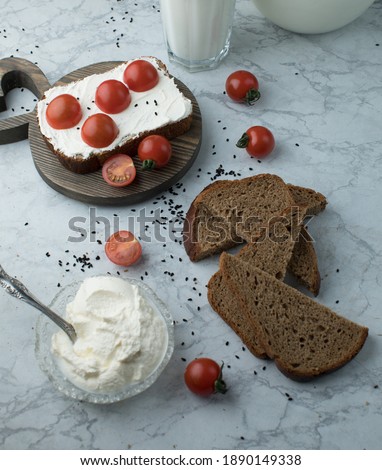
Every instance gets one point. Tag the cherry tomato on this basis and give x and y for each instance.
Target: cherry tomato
(119, 170)
(99, 130)
(242, 86)
(203, 376)
(112, 96)
(258, 141)
(140, 75)
(63, 112)
(154, 151)
(123, 248)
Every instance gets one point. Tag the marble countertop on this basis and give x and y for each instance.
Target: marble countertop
(322, 98)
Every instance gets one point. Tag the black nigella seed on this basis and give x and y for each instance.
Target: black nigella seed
(183, 359)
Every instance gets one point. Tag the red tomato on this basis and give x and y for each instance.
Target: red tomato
(119, 170)
(242, 86)
(63, 112)
(112, 96)
(154, 151)
(258, 141)
(140, 75)
(123, 248)
(204, 376)
(99, 130)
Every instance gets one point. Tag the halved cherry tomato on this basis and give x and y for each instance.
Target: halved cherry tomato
(119, 170)
(99, 130)
(203, 376)
(242, 86)
(123, 248)
(154, 151)
(140, 75)
(258, 141)
(63, 112)
(112, 96)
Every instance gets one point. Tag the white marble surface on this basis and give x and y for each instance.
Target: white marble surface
(322, 97)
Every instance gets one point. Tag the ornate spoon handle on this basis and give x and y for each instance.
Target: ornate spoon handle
(16, 289)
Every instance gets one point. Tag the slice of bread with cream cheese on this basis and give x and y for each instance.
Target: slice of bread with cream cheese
(163, 110)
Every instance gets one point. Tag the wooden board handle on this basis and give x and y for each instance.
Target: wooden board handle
(16, 72)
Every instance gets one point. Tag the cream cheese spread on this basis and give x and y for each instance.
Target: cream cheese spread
(120, 337)
(162, 105)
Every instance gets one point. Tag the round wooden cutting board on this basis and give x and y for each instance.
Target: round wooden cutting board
(91, 188)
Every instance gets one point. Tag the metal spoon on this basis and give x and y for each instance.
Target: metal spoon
(17, 289)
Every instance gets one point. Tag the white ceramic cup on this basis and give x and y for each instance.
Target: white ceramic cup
(197, 32)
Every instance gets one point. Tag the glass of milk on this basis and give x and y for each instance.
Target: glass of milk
(197, 32)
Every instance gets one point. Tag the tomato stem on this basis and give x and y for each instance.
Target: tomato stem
(148, 165)
(252, 96)
(243, 141)
(219, 385)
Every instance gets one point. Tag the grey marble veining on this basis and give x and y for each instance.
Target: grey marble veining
(322, 98)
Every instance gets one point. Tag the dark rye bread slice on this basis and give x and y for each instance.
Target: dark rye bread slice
(304, 264)
(239, 208)
(315, 201)
(304, 338)
(205, 233)
(272, 253)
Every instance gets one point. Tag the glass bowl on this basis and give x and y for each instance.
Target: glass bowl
(45, 328)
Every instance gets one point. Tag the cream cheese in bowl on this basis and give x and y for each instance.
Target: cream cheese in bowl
(124, 340)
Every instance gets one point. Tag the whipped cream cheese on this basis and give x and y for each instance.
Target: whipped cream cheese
(121, 339)
(149, 110)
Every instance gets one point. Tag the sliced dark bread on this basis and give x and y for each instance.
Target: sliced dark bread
(229, 309)
(303, 263)
(271, 252)
(315, 201)
(239, 208)
(304, 338)
(205, 234)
